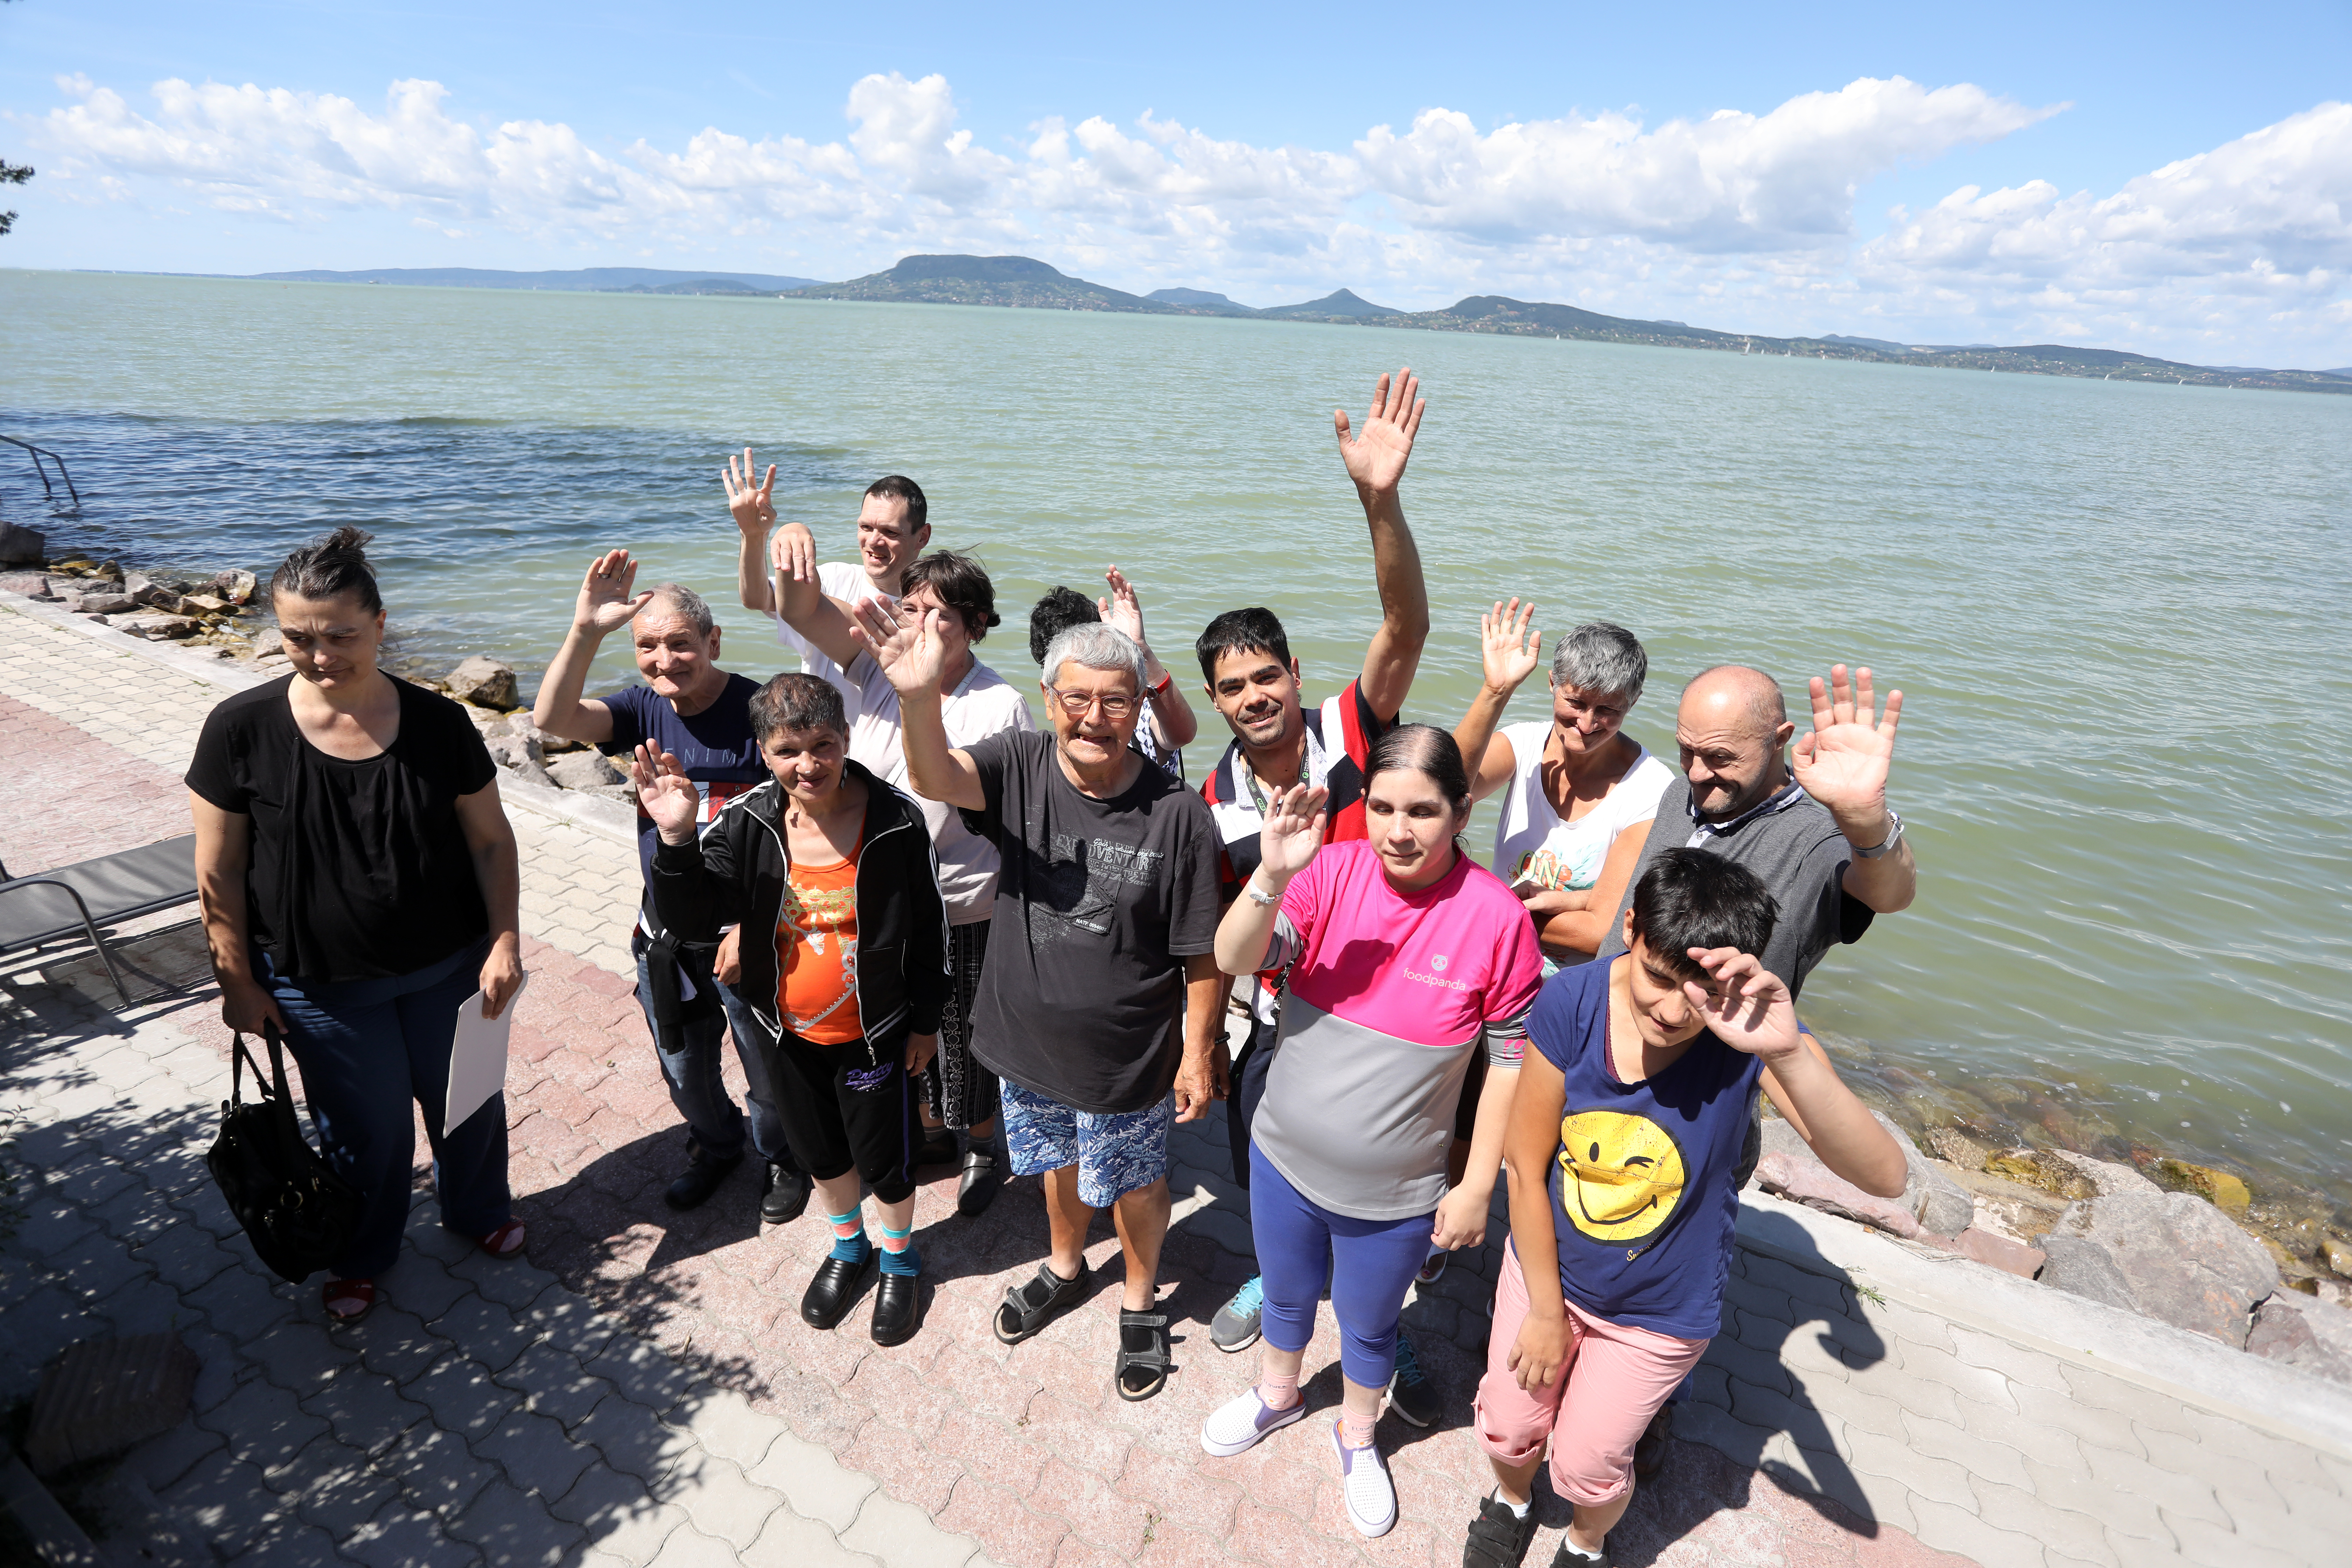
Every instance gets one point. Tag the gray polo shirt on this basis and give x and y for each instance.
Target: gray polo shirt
(1792, 842)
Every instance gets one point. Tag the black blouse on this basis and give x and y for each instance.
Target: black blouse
(359, 870)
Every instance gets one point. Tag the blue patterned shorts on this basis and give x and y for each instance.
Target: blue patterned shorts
(1118, 1153)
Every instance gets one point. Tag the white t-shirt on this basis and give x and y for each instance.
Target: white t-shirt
(1532, 842)
(981, 705)
(842, 580)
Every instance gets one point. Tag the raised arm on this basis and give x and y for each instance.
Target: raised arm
(1293, 831)
(754, 511)
(907, 647)
(1749, 1009)
(1843, 763)
(1376, 461)
(605, 605)
(1510, 648)
(1171, 715)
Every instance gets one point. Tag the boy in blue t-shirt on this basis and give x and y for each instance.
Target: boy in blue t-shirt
(700, 713)
(1624, 1149)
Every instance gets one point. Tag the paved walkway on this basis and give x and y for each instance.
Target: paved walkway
(642, 1389)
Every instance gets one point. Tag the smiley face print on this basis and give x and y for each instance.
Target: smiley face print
(1619, 1176)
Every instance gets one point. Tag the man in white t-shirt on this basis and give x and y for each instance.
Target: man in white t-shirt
(1576, 781)
(892, 528)
(960, 1094)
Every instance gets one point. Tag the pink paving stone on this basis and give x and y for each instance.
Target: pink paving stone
(900, 1392)
(1077, 1434)
(1005, 1529)
(919, 1473)
(1172, 1546)
(1174, 1489)
(990, 1451)
(979, 1381)
(1286, 1471)
(1091, 1507)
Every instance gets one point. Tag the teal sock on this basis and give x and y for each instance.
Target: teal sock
(849, 1243)
(898, 1256)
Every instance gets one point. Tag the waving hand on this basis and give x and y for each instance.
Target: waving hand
(905, 643)
(1293, 831)
(1748, 1007)
(1377, 457)
(1844, 759)
(1509, 645)
(605, 603)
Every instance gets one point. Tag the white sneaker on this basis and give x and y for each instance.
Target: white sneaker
(1364, 1483)
(1235, 1426)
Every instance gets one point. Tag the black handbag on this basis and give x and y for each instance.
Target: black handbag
(296, 1211)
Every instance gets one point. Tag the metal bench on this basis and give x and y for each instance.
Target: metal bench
(103, 892)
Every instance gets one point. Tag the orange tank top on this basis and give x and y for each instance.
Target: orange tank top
(817, 952)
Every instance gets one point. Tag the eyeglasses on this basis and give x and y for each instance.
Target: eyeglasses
(1115, 705)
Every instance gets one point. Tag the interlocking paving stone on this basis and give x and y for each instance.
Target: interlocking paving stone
(719, 1500)
(1962, 1530)
(2122, 1513)
(532, 1451)
(514, 1527)
(365, 1413)
(553, 1384)
(789, 1540)
(2064, 1533)
(400, 1536)
(812, 1482)
(463, 1394)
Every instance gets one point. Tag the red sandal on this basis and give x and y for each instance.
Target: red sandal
(348, 1300)
(503, 1242)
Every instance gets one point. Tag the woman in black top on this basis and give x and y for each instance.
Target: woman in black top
(360, 881)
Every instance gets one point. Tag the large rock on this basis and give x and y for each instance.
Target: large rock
(2177, 1259)
(2000, 1252)
(2224, 1191)
(515, 751)
(485, 682)
(586, 770)
(32, 584)
(236, 587)
(2045, 1171)
(1811, 1182)
(154, 628)
(21, 546)
(2313, 1335)
(1930, 1196)
(529, 772)
(203, 604)
(106, 604)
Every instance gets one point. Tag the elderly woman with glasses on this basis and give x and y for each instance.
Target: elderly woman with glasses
(1100, 1005)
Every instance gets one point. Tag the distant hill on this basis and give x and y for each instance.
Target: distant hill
(1018, 282)
(1342, 306)
(1200, 300)
(1881, 345)
(595, 280)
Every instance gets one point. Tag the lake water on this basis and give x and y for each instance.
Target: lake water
(2109, 606)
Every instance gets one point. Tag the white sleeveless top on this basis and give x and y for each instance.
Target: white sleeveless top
(1533, 845)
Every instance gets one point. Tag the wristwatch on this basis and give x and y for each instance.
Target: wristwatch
(1166, 680)
(1885, 845)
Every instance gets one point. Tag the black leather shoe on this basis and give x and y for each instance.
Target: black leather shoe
(894, 1309)
(785, 1196)
(835, 1286)
(703, 1175)
(982, 1176)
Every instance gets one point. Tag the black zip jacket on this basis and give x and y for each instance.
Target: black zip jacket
(734, 873)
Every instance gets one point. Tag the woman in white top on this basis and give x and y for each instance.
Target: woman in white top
(1578, 786)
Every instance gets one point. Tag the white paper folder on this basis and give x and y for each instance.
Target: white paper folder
(478, 1059)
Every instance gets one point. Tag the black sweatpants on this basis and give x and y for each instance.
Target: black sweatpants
(843, 1114)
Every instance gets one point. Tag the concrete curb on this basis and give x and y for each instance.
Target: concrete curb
(2156, 1356)
(605, 818)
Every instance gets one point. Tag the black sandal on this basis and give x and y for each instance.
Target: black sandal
(1031, 1306)
(1153, 1359)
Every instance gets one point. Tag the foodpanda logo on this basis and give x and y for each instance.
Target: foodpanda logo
(1437, 963)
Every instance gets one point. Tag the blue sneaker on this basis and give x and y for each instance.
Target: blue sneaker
(1236, 1326)
(1412, 1396)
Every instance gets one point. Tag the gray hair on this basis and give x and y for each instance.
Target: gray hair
(1095, 647)
(683, 601)
(1601, 656)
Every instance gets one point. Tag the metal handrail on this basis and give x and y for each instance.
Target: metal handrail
(48, 490)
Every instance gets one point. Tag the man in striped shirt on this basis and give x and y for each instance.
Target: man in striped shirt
(1278, 741)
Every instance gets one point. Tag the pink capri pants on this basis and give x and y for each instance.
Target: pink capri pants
(1615, 1378)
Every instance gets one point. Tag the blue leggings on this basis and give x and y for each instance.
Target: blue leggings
(367, 1048)
(1372, 1264)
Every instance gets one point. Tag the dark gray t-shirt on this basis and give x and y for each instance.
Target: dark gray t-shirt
(1099, 903)
(1801, 854)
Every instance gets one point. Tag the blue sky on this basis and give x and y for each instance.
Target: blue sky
(1992, 174)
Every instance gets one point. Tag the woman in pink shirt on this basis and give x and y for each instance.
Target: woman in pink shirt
(1404, 958)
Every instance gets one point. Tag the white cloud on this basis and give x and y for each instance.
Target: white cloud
(1736, 219)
